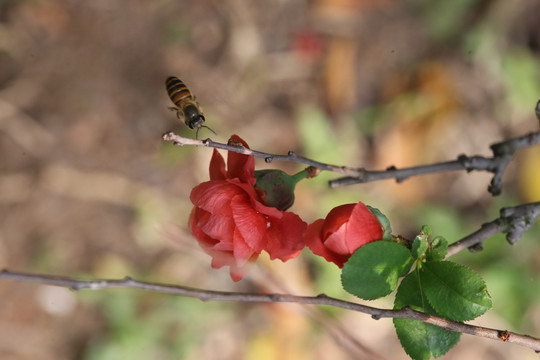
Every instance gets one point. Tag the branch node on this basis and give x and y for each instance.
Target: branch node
(494, 188)
(465, 161)
(504, 335)
(167, 136)
(503, 148)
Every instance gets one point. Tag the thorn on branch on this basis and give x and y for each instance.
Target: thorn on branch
(400, 179)
(476, 248)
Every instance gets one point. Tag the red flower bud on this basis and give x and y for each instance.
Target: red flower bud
(345, 229)
(231, 222)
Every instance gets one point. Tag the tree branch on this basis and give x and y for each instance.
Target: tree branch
(291, 156)
(208, 295)
(502, 155)
(514, 221)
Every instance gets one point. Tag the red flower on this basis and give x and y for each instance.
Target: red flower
(232, 224)
(345, 229)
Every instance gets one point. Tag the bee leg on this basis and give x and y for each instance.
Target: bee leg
(179, 113)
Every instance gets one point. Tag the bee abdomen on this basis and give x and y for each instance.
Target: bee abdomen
(177, 90)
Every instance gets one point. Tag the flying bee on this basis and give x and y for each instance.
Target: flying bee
(188, 108)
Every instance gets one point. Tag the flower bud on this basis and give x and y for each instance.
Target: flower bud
(278, 186)
(345, 229)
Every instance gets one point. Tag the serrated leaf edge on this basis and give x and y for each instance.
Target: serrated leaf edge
(463, 319)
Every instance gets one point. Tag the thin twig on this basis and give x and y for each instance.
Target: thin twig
(502, 155)
(207, 295)
(291, 156)
(514, 221)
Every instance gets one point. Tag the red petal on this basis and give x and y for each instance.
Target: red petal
(237, 271)
(313, 239)
(363, 227)
(215, 196)
(221, 258)
(250, 224)
(338, 241)
(218, 227)
(267, 210)
(217, 167)
(241, 166)
(285, 237)
(250, 190)
(195, 217)
(241, 250)
(336, 218)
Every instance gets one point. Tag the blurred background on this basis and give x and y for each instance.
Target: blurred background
(88, 189)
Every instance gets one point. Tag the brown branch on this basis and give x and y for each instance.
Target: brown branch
(291, 156)
(502, 155)
(208, 295)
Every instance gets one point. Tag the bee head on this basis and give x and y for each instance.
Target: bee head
(194, 118)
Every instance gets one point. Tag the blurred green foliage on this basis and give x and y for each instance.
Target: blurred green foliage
(141, 326)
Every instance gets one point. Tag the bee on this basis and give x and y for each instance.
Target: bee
(187, 108)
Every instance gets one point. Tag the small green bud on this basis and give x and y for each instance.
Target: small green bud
(279, 186)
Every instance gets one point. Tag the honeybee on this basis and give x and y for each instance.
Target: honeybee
(188, 108)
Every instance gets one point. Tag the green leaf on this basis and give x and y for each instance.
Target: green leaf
(455, 291)
(438, 249)
(426, 230)
(424, 341)
(420, 341)
(387, 232)
(410, 294)
(374, 269)
(419, 247)
(429, 249)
